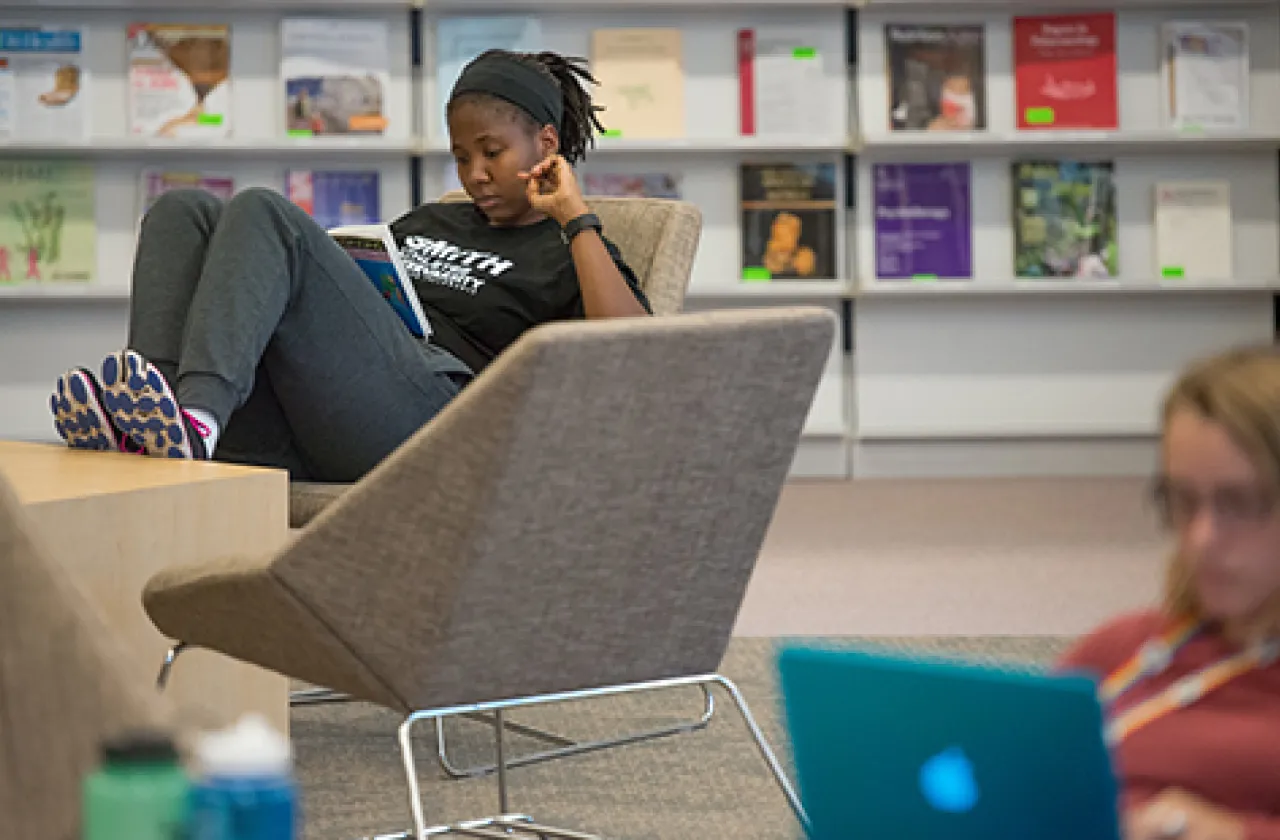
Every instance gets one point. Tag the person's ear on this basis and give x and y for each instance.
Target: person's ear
(548, 141)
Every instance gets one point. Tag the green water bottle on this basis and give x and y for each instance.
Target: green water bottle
(139, 792)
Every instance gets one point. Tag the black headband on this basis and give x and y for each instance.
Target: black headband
(516, 82)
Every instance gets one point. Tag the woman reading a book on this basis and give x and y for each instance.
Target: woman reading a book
(1192, 691)
(255, 338)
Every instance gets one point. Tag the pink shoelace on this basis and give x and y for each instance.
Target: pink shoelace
(201, 429)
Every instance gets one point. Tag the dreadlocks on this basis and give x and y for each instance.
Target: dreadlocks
(571, 77)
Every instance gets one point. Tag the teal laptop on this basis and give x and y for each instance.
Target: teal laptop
(890, 748)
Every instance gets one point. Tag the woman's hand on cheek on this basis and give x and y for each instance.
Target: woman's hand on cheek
(1178, 815)
(553, 189)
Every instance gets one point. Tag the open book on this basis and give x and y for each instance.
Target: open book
(374, 249)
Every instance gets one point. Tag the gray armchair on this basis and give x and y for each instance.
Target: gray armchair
(582, 520)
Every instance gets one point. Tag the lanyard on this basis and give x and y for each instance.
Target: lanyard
(1154, 657)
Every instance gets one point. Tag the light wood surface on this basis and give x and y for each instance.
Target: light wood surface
(114, 520)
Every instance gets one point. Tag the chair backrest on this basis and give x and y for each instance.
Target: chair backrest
(588, 512)
(657, 237)
(65, 685)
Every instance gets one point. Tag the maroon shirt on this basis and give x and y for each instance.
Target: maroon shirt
(1225, 747)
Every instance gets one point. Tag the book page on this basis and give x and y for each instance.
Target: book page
(1193, 230)
(641, 75)
(1207, 73)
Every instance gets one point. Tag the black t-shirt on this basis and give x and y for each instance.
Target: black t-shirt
(482, 287)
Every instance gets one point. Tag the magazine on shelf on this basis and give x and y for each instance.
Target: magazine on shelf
(337, 74)
(180, 80)
(1206, 75)
(937, 77)
(781, 85)
(1065, 72)
(634, 185)
(336, 198)
(48, 229)
(43, 84)
(641, 76)
(156, 182)
(1193, 230)
(923, 221)
(1065, 220)
(788, 221)
(461, 39)
(374, 249)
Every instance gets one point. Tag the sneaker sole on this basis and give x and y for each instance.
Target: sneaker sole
(143, 406)
(79, 417)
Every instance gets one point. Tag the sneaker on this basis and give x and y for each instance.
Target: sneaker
(80, 415)
(144, 407)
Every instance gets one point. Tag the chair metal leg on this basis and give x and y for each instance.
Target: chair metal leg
(503, 826)
(566, 747)
(162, 678)
(766, 752)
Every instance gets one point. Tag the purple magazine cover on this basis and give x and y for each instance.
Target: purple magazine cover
(923, 228)
(336, 198)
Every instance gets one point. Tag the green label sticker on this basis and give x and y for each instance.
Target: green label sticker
(924, 278)
(1040, 116)
(611, 132)
(301, 132)
(209, 119)
(1192, 128)
(756, 275)
(1173, 272)
(804, 53)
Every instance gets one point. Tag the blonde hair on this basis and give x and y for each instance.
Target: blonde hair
(1238, 390)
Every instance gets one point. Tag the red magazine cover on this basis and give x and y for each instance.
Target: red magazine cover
(1065, 71)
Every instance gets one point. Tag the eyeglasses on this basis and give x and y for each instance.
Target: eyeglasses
(1234, 506)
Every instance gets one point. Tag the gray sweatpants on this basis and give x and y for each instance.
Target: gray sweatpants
(259, 318)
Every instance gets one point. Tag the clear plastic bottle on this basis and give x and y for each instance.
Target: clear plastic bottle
(244, 787)
(139, 792)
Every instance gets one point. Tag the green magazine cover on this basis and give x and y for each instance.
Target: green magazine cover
(47, 228)
(1065, 220)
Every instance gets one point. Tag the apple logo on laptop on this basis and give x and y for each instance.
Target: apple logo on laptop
(948, 782)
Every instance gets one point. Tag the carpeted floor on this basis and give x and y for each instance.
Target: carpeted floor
(711, 784)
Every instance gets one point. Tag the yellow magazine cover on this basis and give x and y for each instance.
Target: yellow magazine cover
(47, 228)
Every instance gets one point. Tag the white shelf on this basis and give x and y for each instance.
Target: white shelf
(775, 290)
(994, 143)
(699, 145)
(62, 291)
(827, 430)
(1060, 7)
(456, 6)
(231, 147)
(969, 288)
(934, 434)
(257, 5)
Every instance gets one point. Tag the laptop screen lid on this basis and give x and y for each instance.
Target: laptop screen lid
(888, 746)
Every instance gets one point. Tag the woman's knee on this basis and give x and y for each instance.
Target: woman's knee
(186, 203)
(260, 200)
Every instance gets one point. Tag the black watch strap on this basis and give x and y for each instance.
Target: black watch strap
(578, 224)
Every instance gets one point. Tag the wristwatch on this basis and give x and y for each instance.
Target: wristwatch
(578, 224)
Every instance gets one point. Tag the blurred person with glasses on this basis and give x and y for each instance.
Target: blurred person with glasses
(1192, 688)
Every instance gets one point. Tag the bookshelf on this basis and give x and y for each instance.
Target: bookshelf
(992, 375)
(998, 374)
